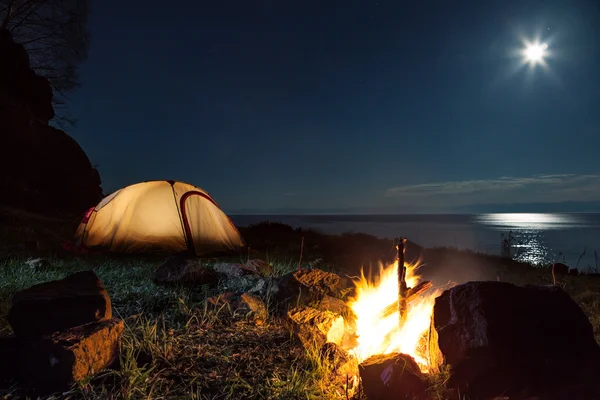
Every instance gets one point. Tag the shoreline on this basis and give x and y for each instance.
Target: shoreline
(24, 233)
(554, 240)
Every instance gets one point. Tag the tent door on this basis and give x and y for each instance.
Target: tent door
(191, 209)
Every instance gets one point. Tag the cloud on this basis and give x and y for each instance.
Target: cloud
(537, 188)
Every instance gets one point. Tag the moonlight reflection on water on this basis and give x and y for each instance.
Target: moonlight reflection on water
(529, 221)
(529, 232)
(558, 236)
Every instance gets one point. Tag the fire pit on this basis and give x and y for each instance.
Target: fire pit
(406, 330)
(393, 312)
(381, 327)
(395, 332)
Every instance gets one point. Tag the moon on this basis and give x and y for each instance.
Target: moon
(534, 53)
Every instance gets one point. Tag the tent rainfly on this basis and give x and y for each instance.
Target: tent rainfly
(165, 216)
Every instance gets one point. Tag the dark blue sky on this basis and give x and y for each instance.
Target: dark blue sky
(361, 106)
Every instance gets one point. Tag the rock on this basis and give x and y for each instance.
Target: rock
(260, 267)
(305, 286)
(343, 369)
(321, 281)
(247, 283)
(252, 305)
(338, 306)
(350, 338)
(57, 305)
(315, 328)
(179, 270)
(56, 361)
(392, 376)
(245, 305)
(38, 264)
(9, 353)
(505, 339)
(339, 360)
(560, 269)
(65, 172)
(43, 168)
(573, 271)
(232, 270)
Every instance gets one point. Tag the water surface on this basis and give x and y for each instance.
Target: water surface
(538, 237)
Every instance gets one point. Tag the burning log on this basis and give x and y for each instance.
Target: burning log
(379, 331)
(402, 287)
(411, 294)
(405, 294)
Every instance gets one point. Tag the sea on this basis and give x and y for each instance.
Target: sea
(538, 238)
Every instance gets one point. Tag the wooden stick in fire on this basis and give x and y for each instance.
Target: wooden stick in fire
(411, 294)
(402, 288)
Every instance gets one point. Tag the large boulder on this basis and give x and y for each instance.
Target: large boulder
(57, 305)
(516, 341)
(42, 168)
(54, 362)
(66, 172)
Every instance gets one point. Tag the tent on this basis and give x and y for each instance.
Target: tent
(165, 216)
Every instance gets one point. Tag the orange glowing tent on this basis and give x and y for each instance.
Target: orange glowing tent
(166, 216)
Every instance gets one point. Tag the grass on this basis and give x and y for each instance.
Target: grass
(176, 344)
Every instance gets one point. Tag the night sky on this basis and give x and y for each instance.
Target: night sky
(346, 106)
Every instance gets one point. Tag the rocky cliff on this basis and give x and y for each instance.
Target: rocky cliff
(42, 168)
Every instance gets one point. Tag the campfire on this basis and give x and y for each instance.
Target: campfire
(395, 334)
(381, 328)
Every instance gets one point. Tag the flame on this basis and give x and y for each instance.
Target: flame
(381, 334)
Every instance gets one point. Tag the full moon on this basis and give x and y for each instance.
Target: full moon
(534, 53)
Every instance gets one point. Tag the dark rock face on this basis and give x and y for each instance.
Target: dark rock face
(519, 341)
(42, 168)
(52, 306)
(392, 376)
